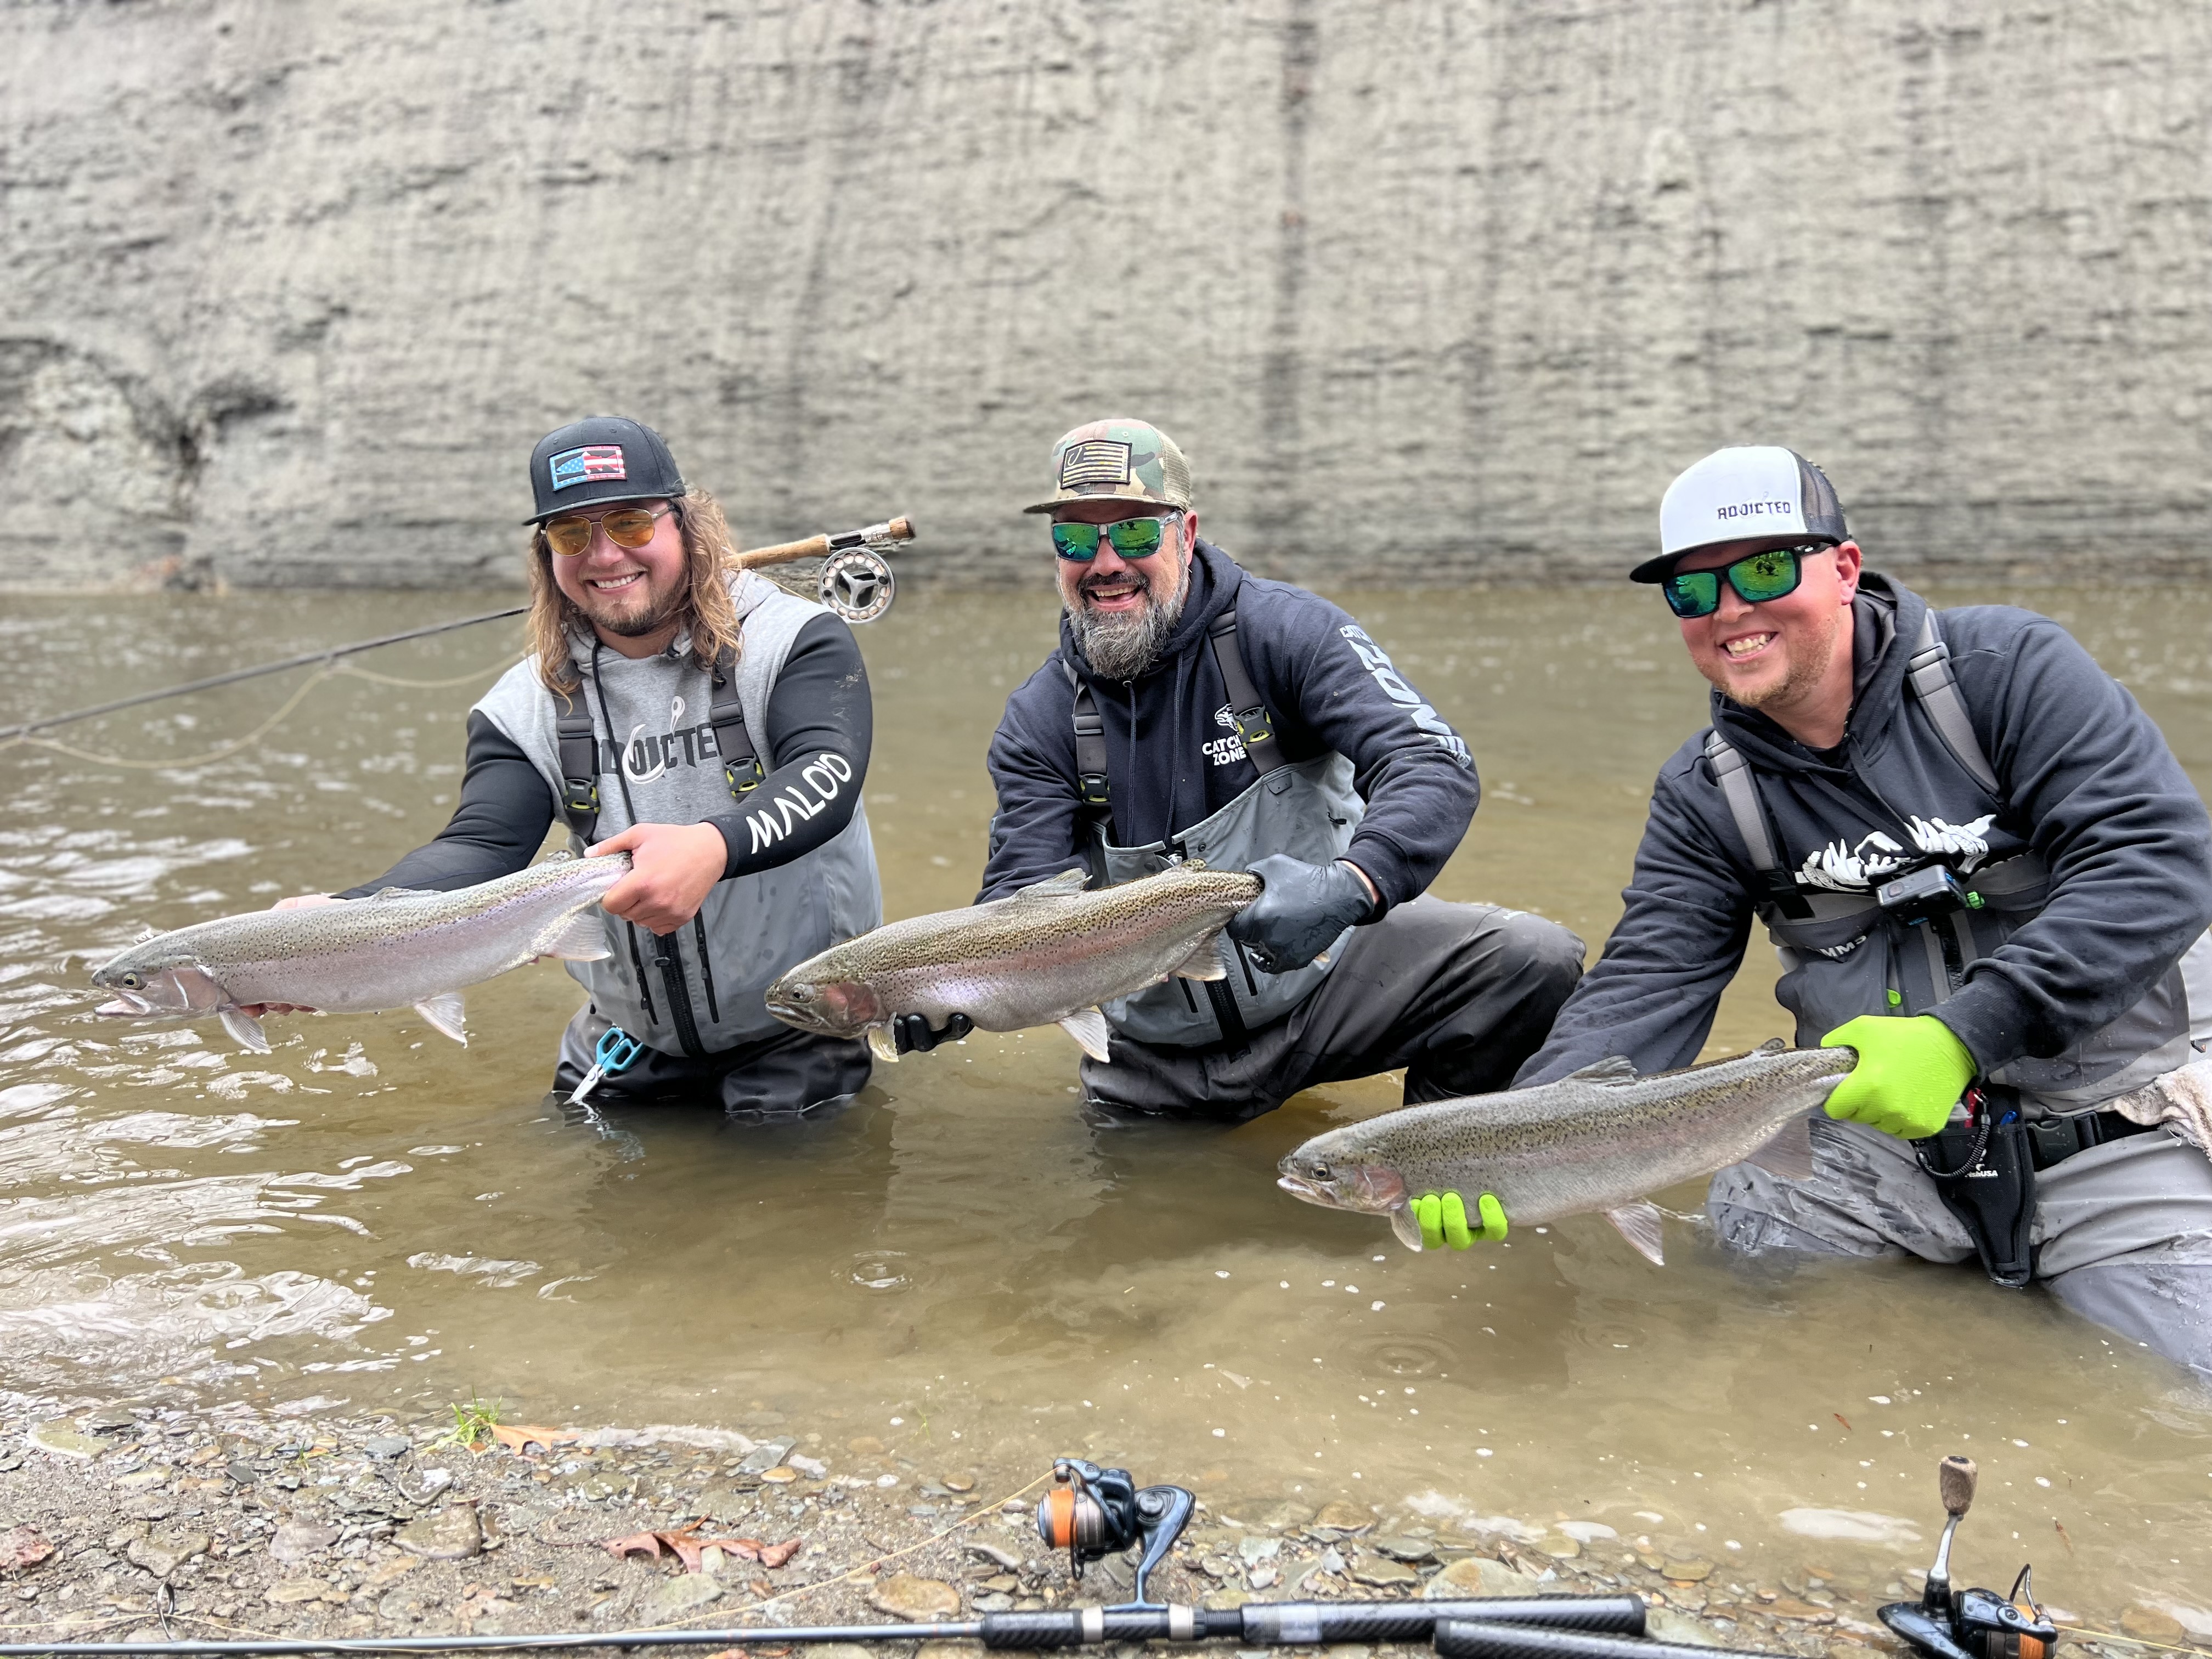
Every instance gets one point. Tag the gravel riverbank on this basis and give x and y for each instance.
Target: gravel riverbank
(119, 1520)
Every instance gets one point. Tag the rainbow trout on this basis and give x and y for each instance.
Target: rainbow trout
(1599, 1139)
(395, 949)
(1048, 955)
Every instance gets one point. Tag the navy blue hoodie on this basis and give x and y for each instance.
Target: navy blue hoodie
(2088, 785)
(1173, 757)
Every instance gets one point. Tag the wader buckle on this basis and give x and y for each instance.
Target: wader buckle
(580, 795)
(744, 774)
(1091, 789)
(1253, 727)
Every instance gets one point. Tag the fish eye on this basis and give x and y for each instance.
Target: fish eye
(130, 981)
(802, 994)
(1321, 1172)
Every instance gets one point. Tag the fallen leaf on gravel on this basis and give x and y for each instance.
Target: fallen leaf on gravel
(689, 1548)
(21, 1547)
(518, 1438)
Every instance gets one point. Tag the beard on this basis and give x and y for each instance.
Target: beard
(632, 615)
(1808, 666)
(1122, 647)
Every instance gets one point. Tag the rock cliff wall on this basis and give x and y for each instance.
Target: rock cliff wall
(1428, 289)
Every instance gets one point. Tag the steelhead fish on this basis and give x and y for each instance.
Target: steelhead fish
(395, 949)
(1599, 1139)
(1048, 955)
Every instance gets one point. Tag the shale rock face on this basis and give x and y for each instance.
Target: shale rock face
(1443, 288)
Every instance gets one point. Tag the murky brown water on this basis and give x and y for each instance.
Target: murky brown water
(963, 1265)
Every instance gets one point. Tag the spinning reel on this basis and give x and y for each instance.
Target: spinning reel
(1093, 1513)
(1972, 1624)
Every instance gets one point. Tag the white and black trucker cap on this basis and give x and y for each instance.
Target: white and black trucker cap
(1739, 493)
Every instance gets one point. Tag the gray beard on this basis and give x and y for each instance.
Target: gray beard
(1122, 647)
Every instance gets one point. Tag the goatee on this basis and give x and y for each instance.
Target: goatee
(1120, 646)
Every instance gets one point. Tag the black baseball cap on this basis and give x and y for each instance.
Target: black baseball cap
(601, 457)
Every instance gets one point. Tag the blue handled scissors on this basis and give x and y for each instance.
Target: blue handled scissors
(616, 1049)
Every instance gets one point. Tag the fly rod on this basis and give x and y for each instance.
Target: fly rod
(856, 584)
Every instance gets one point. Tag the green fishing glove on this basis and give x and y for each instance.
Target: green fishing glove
(1910, 1073)
(1442, 1219)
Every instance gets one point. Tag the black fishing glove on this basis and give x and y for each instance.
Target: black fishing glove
(1302, 908)
(913, 1034)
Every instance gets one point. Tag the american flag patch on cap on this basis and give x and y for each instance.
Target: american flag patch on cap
(589, 464)
(1094, 461)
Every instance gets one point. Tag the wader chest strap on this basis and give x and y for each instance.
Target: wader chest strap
(1090, 748)
(579, 772)
(1928, 671)
(1733, 773)
(741, 765)
(1254, 729)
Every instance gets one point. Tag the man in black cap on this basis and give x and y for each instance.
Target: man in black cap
(1984, 872)
(709, 724)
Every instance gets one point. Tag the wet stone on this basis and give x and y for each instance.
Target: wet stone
(723, 1503)
(1786, 1607)
(64, 1440)
(291, 1591)
(1476, 1575)
(1258, 1549)
(919, 1600)
(2150, 1625)
(1282, 1516)
(1383, 1573)
(140, 1479)
(1403, 1549)
(451, 1534)
(1263, 1577)
(388, 1446)
(960, 1482)
(1687, 1573)
(1665, 1625)
(1342, 1516)
(994, 1553)
(109, 1419)
(295, 1540)
(765, 1456)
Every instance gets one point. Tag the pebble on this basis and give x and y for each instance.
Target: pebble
(993, 1554)
(388, 1573)
(109, 1419)
(767, 1455)
(388, 1446)
(1786, 1607)
(960, 1482)
(722, 1503)
(64, 1440)
(295, 1540)
(140, 1479)
(162, 1553)
(292, 1590)
(672, 1598)
(866, 1445)
(1263, 1577)
(782, 1475)
(1251, 1549)
(451, 1534)
(1687, 1573)
(1384, 1573)
(919, 1599)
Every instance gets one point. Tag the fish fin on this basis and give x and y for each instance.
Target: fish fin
(403, 892)
(882, 1044)
(1087, 1027)
(1638, 1223)
(446, 1012)
(1066, 884)
(1772, 1046)
(247, 1028)
(1204, 961)
(145, 933)
(1614, 1068)
(1789, 1153)
(580, 937)
(1408, 1228)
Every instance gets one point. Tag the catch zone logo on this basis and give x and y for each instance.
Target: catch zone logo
(1757, 510)
(1224, 751)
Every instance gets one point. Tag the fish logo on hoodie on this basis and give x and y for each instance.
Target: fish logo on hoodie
(1840, 867)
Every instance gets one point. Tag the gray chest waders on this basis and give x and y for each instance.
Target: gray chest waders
(1983, 1170)
(579, 738)
(1307, 810)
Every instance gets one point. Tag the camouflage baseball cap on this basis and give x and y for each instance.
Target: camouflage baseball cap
(1117, 459)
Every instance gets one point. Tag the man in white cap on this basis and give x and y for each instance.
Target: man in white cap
(1983, 868)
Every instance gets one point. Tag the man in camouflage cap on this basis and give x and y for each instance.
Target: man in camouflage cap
(1194, 711)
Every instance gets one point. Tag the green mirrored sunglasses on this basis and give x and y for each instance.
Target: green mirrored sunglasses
(1756, 577)
(1133, 538)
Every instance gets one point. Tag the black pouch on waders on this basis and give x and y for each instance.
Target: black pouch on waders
(1985, 1172)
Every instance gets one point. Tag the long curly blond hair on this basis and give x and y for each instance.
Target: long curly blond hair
(707, 610)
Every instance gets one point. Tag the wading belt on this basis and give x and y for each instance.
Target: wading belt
(1928, 673)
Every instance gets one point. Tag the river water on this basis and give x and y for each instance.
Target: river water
(966, 1266)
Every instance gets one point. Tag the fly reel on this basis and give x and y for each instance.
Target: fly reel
(1092, 1513)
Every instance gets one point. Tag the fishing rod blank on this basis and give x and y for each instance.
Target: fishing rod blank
(1475, 1638)
(1285, 1624)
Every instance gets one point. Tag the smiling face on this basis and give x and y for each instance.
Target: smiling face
(632, 596)
(1123, 609)
(1789, 657)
